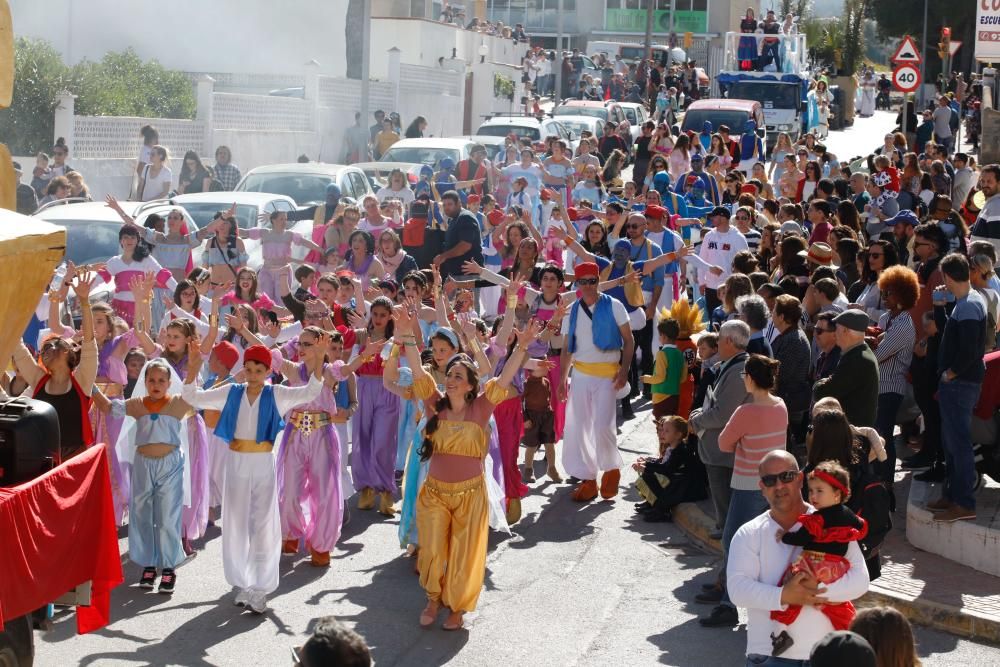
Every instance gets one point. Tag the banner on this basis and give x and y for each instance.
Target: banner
(988, 30)
(634, 20)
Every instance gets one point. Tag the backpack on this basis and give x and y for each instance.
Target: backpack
(870, 500)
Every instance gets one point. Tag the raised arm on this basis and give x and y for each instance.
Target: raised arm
(113, 204)
(575, 246)
(513, 366)
(142, 289)
(213, 324)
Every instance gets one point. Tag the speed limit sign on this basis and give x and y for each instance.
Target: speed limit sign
(906, 78)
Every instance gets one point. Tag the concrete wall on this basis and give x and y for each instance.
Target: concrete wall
(193, 35)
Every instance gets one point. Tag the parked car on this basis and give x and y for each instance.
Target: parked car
(528, 127)
(636, 114)
(92, 234)
(305, 183)
(494, 144)
(579, 124)
(606, 111)
(203, 206)
(426, 150)
(378, 172)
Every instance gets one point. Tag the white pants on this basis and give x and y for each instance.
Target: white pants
(346, 483)
(218, 452)
(590, 441)
(251, 529)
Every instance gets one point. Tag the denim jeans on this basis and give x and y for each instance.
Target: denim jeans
(743, 506)
(956, 400)
(885, 424)
(757, 660)
(770, 54)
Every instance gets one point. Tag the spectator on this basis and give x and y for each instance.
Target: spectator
(754, 429)
(752, 309)
(855, 381)
(678, 476)
(384, 139)
(58, 188)
(150, 137)
(757, 564)
(27, 200)
(226, 173)
(727, 393)
(960, 363)
(942, 124)
(889, 634)
(826, 344)
(333, 643)
(77, 188)
(377, 127)
(987, 225)
(791, 348)
(156, 177)
(356, 142)
(415, 129)
(194, 177)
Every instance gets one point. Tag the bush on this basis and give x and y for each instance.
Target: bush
(121, 84)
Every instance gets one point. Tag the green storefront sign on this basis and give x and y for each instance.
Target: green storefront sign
(634, 20)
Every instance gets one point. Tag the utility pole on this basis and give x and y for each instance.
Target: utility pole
(366, 58)
(923, 59)
(557, 63)
(649, 29)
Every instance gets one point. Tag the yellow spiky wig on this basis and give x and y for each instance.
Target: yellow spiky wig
(688, 317)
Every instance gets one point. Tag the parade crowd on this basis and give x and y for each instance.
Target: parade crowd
(779, 312)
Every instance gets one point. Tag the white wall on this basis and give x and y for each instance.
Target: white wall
(253, 36)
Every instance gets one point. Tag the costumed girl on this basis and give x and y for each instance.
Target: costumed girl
(176, 338)
(155, 445)
(250, 422)
(824, 538)
(452, 509)
(134, 262)
(276, 247)
(689, 318)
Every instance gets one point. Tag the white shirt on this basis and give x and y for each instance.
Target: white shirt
(285, 398)
(405, 195)
(756, 564)
(585, 348)
(718, 249)
(153, 189)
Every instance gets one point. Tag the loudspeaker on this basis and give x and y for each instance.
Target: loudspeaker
(29, 440)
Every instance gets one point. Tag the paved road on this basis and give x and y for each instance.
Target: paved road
(575, 585)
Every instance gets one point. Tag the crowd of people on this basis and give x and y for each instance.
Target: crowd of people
(780, 315)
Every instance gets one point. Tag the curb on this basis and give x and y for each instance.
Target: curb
(947, 618)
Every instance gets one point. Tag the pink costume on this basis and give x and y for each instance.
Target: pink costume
(276, 248)
(544, 312)
(309, 468)
(123, 273)
(111, 380)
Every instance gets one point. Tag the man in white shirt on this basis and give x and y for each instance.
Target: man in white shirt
(987, 225)
(757, 563)
(598, 348)
(621, 67)
(718, 248)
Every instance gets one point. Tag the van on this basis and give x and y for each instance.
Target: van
(633, 53)
(732, 113)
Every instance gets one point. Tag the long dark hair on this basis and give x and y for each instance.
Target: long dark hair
(184, 285)
(832, 439)
(890, 258)
(231, 250)
(383, 302)
(238, 291)
(444, 403)
(369, 244)
(601, 247)
(186, 174)
(142, 248)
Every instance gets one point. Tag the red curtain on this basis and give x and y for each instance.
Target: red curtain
(57, 532)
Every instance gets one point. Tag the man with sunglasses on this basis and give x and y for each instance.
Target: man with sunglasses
(598, 349)
(855, 381)
(758, 561)
(826, 345)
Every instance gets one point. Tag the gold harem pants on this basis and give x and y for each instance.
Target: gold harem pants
(453, 525)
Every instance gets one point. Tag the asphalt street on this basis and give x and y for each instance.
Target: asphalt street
(574, 585)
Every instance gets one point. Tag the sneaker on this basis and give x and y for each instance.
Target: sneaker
(642, 507)
(955, 513)
(939, 505)
(933, 475)
(723, 616)
(712, 596)
(242, 597)
(167, 581)
(258, 602)
(148, 579)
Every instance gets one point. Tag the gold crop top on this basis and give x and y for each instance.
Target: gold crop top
(467, 437)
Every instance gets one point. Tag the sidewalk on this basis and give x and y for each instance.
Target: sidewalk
(927, 588)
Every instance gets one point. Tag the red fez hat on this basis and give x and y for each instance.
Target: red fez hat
(586, 269)
(258, 353)
(226, 353)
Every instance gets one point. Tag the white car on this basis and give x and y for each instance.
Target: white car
(580, 124)
(305, 183)
(427, 150)
(203, 206)
(529, 127)
(92, 234)
(636, 114)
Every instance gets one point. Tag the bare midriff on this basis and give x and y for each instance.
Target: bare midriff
(454, 467)
(155, 450)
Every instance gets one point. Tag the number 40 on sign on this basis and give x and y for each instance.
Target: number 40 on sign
(906, 78)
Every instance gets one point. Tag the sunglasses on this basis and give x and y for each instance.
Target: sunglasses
(587, 281)
(634, 226)
(786, 477)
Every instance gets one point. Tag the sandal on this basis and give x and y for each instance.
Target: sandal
(453, 622)
(429, 614)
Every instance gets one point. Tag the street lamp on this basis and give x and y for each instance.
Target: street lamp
(483, 52)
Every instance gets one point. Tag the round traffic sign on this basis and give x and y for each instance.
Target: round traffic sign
(906, 78)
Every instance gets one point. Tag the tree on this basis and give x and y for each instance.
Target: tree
(121, 84)
(854, 36)
(39, 76)
(906, 17)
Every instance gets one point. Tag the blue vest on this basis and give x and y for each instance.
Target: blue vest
(607, 336)
(269, 421)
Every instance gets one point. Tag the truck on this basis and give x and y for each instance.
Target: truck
(783, 95)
